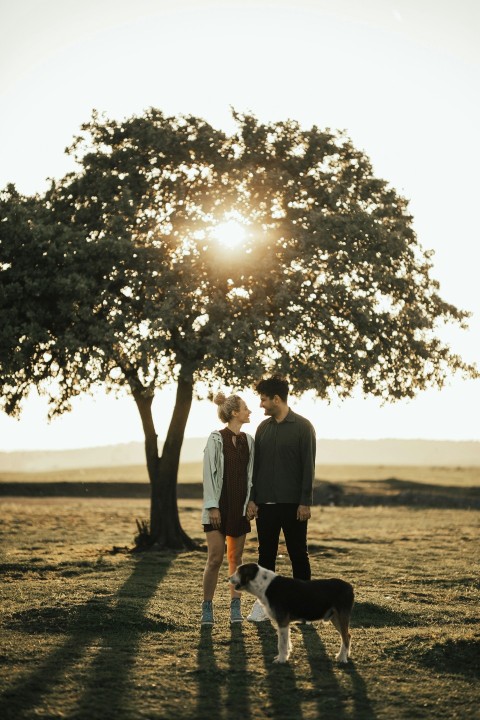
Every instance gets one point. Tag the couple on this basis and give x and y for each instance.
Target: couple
(270, 479)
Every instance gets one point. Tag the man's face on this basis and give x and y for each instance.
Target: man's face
(268, 404)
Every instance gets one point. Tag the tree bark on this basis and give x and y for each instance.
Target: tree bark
(144, 405)
(165, 528)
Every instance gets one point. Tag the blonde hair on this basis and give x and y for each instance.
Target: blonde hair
(226, 406)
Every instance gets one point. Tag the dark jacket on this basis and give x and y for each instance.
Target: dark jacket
(284, 465)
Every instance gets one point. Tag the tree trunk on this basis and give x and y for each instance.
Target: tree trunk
(165, 528)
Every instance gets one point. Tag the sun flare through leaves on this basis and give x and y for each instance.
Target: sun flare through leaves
(230, 234)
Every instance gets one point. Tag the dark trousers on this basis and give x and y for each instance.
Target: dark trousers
(270, 521)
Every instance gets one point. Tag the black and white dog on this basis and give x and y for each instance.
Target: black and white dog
(286, 600)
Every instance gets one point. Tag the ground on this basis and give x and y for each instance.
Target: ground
(91, 631)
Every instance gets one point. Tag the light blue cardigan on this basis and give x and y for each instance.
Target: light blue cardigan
(213, 473)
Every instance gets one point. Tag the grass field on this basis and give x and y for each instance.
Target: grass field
(88, 632)
(192, 472)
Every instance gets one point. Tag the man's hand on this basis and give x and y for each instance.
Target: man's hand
(215, 518)
(252, 510)
(303, 513)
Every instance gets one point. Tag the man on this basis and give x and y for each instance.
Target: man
(283, 474)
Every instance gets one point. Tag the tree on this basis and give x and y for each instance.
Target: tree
(329, 287)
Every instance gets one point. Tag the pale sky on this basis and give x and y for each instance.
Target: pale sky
(400, 76)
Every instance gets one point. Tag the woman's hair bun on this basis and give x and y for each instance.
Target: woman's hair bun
(219, 398)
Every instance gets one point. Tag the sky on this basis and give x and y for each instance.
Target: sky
(401, 77)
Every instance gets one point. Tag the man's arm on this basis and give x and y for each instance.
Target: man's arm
(258, 435)
(309, 450)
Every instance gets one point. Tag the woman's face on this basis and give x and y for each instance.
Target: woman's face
(243, 414)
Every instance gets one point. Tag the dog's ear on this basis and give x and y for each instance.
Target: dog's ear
(250, 571)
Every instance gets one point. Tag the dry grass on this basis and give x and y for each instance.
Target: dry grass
(192, 473)
(91, 634)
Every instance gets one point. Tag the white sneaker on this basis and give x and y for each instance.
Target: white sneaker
(257, 613)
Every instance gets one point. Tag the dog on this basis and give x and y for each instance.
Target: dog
(287, 599)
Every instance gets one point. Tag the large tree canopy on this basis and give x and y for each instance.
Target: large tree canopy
(52, 280)
(329, 286)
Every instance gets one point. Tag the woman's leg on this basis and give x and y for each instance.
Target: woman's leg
(235, 547)
(216, 551)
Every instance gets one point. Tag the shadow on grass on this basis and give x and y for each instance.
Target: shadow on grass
(210, 678)
(93, 617)
(284, 696)
(332, 696)
(326, 692)
(111, 627)
(337, 687)
(238, 679)
(222, 693)
(453, 657)
(366, 614)
(326, 550)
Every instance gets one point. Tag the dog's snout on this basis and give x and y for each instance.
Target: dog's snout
(235, 581)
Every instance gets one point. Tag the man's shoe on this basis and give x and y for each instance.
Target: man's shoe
(257, 613)
(207, 613)
(235, 611)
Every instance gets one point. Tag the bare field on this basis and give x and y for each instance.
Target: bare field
(192, 473)
(91, 633)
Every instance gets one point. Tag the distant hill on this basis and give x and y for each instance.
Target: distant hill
(329, 452)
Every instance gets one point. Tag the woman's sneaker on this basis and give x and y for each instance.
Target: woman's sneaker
(235, 611)
(257, 613)
(207, 613)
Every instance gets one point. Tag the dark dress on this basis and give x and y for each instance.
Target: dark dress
(234, 488)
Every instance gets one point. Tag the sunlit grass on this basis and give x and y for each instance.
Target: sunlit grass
(88, 633)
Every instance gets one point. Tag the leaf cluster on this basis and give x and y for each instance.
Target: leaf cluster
(115, 276)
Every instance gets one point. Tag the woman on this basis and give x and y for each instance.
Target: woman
(227, 480)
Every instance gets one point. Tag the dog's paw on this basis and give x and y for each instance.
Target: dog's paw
(341, 658)
(280, 659)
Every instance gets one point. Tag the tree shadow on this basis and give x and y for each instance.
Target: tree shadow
(112, 626)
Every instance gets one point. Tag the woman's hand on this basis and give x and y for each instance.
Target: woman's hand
(215, 518)
(252, 510)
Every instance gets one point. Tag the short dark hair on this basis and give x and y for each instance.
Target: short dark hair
(272, 386)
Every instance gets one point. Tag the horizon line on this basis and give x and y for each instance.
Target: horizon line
(204, 437)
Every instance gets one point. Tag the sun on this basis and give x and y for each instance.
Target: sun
(231, 234)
